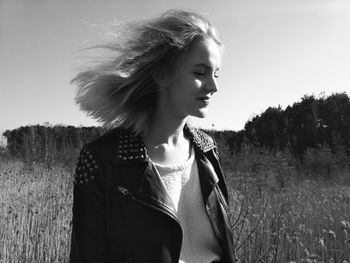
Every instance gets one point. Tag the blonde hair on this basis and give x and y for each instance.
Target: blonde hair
(120, 91)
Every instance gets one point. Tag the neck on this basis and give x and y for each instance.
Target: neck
(165, 140)
(165, 130)
(167, 124)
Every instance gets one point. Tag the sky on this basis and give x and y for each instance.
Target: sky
(276, 51)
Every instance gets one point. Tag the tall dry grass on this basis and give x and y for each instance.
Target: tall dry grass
(283, 215)
(305, 222)
(277, 215)
(35, 212)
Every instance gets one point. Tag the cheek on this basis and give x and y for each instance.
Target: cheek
(198, 83)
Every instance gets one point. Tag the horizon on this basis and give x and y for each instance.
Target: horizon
(48, 124)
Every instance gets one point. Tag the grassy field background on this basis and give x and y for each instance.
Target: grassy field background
(279, 212)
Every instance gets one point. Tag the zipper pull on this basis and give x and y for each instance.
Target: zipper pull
(123, 190)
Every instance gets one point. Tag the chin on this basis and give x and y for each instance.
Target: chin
(201, 114)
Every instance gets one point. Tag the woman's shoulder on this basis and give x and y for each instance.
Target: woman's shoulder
(117, 144)
(201, 139)
(100, 153)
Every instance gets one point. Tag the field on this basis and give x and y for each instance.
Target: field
(35, 212)
(277, 216)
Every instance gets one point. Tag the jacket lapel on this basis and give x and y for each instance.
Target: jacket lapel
(152, 188)
(208, 178)
(143, 181)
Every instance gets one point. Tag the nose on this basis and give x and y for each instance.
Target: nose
(212, 85)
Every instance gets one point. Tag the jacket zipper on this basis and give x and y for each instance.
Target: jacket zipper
(163, 210)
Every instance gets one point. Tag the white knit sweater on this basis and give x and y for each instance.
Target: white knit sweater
(182, 183)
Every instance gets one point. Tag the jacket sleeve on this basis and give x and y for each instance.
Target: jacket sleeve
(89, 239)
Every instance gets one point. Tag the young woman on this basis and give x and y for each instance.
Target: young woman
(152, 189)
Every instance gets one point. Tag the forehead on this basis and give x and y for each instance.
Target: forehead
(204, 51)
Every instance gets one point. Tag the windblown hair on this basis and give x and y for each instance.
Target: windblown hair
(120, 91)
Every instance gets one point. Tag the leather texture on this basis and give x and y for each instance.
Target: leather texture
(121, 210)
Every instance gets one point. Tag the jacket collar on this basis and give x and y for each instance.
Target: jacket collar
(132, 149)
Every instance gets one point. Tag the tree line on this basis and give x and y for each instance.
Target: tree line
(307, 124)
(49, 143)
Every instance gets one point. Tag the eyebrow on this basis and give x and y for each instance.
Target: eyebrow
(205, 65)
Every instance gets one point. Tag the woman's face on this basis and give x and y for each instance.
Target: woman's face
(192, 81)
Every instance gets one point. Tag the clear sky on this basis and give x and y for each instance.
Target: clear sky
(276, 52)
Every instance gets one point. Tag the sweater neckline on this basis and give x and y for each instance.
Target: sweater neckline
(176, 167)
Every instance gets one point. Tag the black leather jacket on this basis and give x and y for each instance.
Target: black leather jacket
(121, 211)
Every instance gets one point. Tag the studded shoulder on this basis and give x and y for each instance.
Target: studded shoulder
(87, 167)
(131, 148)
(201, 140)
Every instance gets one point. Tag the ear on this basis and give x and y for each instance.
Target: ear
(160, 77)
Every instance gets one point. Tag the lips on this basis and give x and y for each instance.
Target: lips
(204, 99)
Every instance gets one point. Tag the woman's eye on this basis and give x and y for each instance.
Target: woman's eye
(199, 73)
